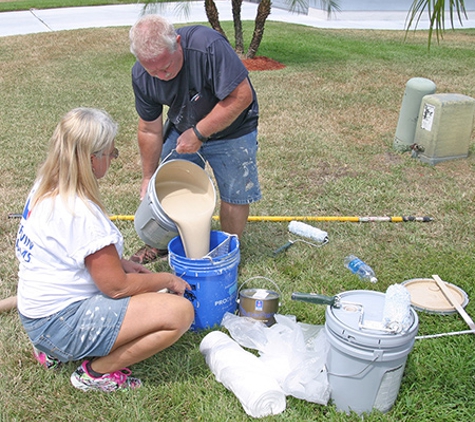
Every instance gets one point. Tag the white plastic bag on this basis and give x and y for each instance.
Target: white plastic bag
(295, 353)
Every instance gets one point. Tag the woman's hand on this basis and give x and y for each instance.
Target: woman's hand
(177, 285)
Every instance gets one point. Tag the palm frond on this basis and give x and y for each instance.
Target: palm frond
(436, 11)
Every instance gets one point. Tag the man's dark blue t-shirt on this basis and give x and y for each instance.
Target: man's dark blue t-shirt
(211, 71)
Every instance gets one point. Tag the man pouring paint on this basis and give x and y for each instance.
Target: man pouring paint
(212, 110)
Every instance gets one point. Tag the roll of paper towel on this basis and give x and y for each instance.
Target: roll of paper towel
(244, 374)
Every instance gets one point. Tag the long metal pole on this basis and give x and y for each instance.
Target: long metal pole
(354, 219)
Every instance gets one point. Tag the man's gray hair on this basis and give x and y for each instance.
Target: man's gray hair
(150, 36)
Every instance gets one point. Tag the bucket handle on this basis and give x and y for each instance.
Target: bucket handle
(174, 149)
(375, 358)
(260, 276)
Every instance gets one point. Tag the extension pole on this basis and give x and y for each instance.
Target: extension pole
(297, 218)
(338, 218)
(310, 218)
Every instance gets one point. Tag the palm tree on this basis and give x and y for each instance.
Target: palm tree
(436, 10)
(263, 11)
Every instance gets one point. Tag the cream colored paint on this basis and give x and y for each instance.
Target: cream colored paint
(190, 204)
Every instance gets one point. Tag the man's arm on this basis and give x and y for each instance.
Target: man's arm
(150, 140)
(219, 118)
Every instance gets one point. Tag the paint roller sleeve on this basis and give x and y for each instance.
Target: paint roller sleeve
(397, 314)
(305, 230)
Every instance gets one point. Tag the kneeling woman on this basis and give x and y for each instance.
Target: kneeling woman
(77, 298)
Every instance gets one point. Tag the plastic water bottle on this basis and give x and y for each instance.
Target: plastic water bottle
(360, 268)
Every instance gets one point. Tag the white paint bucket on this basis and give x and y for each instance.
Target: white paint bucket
(152, 224)
(365, 367)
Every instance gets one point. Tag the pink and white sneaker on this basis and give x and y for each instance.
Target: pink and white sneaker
(45, 360)
(118, 380)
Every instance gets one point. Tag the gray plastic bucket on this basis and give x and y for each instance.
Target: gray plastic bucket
(152, 223)
(365, 367)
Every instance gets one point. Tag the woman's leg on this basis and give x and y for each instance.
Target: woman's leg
(153, 322)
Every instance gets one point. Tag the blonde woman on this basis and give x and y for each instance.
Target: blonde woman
(77, 298)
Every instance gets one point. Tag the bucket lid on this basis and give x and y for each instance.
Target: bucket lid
(365, 306)
(260, 294)
(426, 296)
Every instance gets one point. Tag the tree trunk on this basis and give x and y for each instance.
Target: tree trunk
(238, 38)
(263, 11)
(213, 16)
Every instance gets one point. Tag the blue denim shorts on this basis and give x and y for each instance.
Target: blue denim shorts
(233, 162)
(86, 328)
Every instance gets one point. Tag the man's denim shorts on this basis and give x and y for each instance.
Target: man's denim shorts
(86, 328)
(233, 162)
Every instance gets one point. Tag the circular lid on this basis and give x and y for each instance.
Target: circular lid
(427, 296)
(359, 320)
(259, 294)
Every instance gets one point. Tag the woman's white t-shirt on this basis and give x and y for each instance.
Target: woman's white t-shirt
(52, 244)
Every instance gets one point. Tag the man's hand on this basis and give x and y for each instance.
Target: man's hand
(188, 143)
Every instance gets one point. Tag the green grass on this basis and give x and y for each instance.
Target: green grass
(326, 149)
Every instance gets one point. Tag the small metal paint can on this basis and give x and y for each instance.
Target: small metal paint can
(259, 304)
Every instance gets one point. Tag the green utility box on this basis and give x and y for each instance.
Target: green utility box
(444, 127)
(416, 89)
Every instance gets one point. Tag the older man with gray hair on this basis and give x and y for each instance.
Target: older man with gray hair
(212, 109)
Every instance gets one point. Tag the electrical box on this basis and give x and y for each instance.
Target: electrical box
(416, 89)
(444, 127)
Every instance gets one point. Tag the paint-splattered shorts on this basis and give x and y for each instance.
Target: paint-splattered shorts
(233, 162)
(84, 329)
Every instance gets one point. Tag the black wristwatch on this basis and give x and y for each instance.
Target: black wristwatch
(199, 135)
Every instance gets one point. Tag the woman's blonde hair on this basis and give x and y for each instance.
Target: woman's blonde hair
(150, 36)
(67, 171)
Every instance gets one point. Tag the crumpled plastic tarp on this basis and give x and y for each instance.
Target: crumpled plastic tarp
(294, 352)
(291, 362)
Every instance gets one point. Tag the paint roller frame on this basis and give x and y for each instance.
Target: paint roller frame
(393, 327)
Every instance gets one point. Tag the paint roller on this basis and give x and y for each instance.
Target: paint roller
(304, 230)
(396, 315)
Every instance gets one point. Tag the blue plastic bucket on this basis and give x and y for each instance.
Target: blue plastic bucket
(213, 279)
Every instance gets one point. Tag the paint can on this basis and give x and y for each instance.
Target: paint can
(152, 224)
(213, 279)
(365, 366)
(260, 304)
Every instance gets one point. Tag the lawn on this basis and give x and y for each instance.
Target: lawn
(327, 127)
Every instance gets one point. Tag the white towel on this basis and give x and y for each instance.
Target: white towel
(244, 374)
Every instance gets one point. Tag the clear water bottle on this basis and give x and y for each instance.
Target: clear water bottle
(360, 268)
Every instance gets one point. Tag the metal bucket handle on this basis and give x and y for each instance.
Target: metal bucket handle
(260, 276)
(174, 149)
(377, 355)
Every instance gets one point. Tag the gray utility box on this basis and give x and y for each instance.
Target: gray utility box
(444, 127)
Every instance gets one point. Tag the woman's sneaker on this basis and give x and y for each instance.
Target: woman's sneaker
(118, 380)
(47, 361)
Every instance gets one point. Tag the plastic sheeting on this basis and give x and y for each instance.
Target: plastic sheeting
(291, 361)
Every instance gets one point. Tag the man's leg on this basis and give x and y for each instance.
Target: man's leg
(233, 218)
